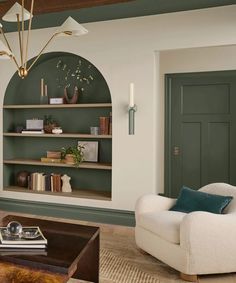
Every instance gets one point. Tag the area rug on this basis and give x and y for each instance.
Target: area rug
(115, 269)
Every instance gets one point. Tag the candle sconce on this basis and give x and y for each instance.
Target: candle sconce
(132, 110)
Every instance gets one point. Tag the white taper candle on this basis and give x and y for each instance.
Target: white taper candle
(42, 87)
(131, 95)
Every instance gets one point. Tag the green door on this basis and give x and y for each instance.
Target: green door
(200, 133)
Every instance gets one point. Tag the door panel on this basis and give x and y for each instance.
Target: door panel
(200, 146)
(219, 150)
(205, 99)
(191, 153)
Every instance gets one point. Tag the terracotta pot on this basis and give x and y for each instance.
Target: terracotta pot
(69, 159)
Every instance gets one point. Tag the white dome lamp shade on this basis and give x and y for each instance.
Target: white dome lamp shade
(16, 9)
(71, 27)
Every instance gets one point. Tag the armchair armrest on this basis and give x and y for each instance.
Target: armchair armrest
(151, 203)
(205, 234)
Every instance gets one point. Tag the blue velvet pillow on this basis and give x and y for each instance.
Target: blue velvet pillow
(190, 200)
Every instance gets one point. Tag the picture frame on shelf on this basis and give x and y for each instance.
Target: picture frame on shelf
(90, 150)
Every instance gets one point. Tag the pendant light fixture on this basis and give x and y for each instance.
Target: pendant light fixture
(17, 13)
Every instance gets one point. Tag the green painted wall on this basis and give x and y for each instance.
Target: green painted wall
(98, 215)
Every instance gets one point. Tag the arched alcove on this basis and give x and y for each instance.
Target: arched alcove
(59, 69)
(22, 102)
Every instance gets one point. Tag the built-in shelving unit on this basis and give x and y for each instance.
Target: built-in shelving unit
(23, 152)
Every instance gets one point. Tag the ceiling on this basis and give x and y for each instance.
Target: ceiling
(50, 13)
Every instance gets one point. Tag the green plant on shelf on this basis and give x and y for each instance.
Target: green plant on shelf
(73, 155)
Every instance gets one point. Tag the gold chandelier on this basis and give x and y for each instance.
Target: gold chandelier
(17, 13)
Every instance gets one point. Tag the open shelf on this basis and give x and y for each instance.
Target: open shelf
(84, 165)
(51, 106)
(64, 135)
(78, 193)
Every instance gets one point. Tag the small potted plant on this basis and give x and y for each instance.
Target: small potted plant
(49, 124)
(72, 155)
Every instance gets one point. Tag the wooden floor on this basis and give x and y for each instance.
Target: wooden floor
(120, 240)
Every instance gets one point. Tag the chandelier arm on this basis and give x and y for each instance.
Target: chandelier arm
(40, 53)
(22, 29)
(9, 47)
(19, 35)
(28, 34)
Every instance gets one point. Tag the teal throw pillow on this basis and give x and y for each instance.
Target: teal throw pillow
(190, 200)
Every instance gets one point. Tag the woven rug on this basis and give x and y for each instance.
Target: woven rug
(115, 269)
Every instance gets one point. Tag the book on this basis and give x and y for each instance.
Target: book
(50, 160)
(30, 236)
(48, 182)
(32, 132)
(22, 251)
(22, 246)
(104, 125)
(110, 123)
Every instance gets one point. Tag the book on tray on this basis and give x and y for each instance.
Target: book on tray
(31, 237)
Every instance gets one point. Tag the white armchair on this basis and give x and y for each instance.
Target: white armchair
(194, 243)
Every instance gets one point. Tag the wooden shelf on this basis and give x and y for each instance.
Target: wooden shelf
(51, 106)
(78, 193)
(84, 165)
(64, 135)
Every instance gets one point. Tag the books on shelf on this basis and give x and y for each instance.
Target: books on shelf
(44, 182)
(105, 125)
(31, 237)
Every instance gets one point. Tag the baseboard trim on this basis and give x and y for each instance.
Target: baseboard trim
(84, 213)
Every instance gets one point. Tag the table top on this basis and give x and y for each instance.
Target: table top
(66, 244)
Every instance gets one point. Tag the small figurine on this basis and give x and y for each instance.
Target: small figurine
(66, 187)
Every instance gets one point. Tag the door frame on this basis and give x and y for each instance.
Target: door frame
(167, 136)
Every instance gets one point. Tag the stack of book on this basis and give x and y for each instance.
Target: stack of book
(45, 182)
(30, 238)
(52, 157)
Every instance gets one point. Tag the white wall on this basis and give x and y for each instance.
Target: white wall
(129, 50)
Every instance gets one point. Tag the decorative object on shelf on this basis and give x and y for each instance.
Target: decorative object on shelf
(73, 99)
(43, 93)
(49, 124)
(34, 124)
(73, 155)
(90, 150)
(94, 131)
(14, 228)
(110, 123)
(66, 187)
(19, 14)
(57, 130)
(104, 125)
(80, 76)
(19, 128)
(53, 154)
(22, 178)
(56, 100)
(131, 110)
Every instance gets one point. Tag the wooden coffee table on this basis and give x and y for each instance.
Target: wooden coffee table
(72, 252)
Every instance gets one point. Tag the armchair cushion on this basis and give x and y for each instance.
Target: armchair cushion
(190, 200)
(165, 224)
